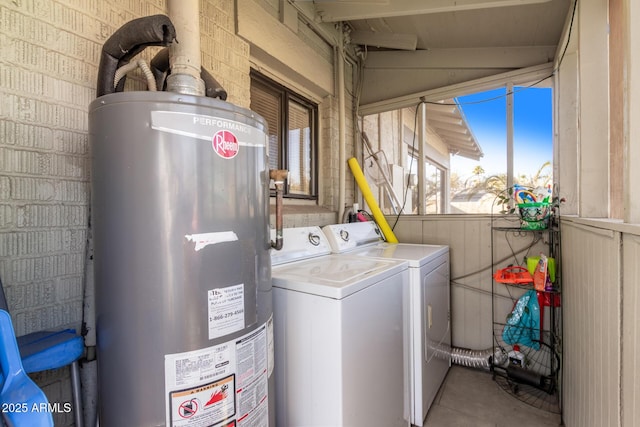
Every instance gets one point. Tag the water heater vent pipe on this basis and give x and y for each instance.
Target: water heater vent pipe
(185, 52)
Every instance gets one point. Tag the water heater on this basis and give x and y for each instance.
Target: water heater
(180, 196)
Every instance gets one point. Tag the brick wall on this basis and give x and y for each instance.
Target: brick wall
(49, 56)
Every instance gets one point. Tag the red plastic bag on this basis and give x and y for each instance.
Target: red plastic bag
(513, 275)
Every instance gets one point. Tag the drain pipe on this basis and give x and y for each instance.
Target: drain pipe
(185, 52)
(278, 176)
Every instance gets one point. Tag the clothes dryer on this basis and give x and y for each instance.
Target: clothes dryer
(339, 335)
(428, 306)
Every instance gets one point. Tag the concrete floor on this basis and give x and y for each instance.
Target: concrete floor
(471, 398)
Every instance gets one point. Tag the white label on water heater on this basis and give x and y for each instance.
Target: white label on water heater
(222, 386)
(205, 239)
(226, 310)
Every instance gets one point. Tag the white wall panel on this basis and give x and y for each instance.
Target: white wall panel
(469, 238)
(631, 332)
(591, 306)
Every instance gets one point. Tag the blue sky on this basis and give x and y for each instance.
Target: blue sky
(533, 130)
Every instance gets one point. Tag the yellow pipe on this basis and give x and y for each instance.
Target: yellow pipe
(371, 201)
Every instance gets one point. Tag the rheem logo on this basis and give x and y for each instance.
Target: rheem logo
(225, 144)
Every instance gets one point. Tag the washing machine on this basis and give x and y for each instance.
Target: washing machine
(339, 335)
(428, 305)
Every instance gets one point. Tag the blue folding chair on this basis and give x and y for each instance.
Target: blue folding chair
(45, 350)
(23, 403)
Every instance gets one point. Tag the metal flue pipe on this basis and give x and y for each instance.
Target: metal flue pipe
(185, 53)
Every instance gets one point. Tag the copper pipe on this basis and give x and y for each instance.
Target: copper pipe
(278, 176)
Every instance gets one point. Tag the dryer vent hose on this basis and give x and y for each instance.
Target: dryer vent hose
(481, 359)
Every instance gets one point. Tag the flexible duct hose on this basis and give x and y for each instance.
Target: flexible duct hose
(122, 72)
(128, 41)
(470, 358)
(160, 69)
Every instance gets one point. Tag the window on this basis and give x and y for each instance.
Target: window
(473, 148)
(485, 113)
(434, 176)
(434, 186)
(292, 122)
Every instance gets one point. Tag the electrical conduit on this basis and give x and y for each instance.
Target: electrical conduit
(342, 151)
(122, 71)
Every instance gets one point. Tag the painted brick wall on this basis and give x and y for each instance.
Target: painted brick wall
(49, 56)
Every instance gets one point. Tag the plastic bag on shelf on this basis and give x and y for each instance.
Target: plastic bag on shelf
(523, 323)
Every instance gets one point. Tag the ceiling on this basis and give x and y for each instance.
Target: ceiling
(415, 46)
(417, 50)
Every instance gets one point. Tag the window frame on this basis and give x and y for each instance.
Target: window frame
(441, 193)
(286, 96)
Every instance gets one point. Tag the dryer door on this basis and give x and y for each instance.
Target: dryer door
(437, 333)
(436, 301)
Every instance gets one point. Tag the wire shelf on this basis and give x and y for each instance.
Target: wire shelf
(536, 383)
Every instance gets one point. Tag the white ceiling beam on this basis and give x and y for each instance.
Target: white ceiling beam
(388, 40)
(443, 109)
(463, 145)
(456, 136)
(448, 127)
(404, 100)
(346, 10)
(464, 150)
(462, 58)
(442, 120)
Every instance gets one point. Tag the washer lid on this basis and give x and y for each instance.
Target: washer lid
(416, 254)
(334, 276)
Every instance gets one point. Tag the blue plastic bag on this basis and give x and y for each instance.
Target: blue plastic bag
(523, 324)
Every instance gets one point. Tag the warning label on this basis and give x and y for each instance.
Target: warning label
(206, 405)
(225, 385)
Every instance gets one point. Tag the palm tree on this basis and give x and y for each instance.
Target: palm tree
(497, 184)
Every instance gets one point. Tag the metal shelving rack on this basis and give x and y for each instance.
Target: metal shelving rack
(539, 383)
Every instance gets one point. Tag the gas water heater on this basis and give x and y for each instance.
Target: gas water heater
(180, 219)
